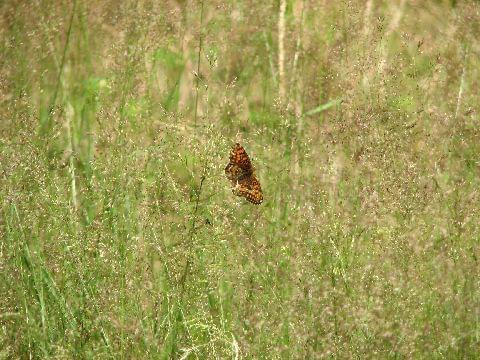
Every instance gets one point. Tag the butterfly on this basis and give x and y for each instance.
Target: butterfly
(240, 172)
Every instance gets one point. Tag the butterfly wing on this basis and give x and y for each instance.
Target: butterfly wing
(239, 157)
(240, 172)
(250, 189)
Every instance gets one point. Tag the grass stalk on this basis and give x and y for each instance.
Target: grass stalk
(462, 83)
(62, 63)
(281, 51)
(199, 53)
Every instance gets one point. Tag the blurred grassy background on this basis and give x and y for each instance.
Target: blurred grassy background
(121, 237)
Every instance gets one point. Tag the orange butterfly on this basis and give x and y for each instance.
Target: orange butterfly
(240, 172)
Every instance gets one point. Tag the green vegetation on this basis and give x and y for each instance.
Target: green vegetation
(121, 238)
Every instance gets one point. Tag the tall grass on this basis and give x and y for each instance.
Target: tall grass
(121, 237)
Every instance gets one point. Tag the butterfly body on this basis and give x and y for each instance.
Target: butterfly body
(241, 174)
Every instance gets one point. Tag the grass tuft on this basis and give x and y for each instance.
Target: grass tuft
(121, 237)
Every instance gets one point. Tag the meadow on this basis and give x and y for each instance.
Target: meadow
(121, 237)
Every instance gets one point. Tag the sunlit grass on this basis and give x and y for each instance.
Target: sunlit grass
(122, 239)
